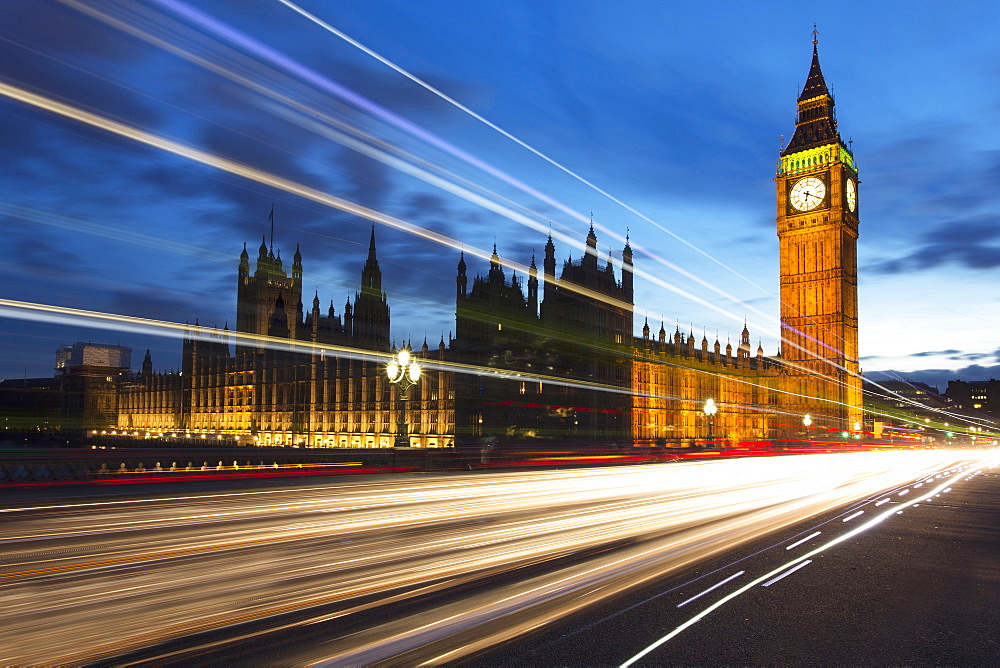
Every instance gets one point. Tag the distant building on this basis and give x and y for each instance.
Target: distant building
(904, 394)
(90, 374)
(30, 405)
(980, 396)
(82, 354)
(902, 399)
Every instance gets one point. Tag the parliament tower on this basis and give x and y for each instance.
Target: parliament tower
(817, 220)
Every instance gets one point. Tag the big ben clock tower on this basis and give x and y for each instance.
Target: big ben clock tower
(817, 231)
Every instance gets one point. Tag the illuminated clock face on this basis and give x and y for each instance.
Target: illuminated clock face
(807, 193)
(852, 195)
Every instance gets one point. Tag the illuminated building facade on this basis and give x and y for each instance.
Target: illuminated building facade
(280, 396)
(673, 378)
(817, 224)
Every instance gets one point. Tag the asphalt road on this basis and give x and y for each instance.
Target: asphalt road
(920, 587)
(572, 567)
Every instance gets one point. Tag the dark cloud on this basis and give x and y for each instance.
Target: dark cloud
(38, 255)
(972, 357)
(180, 178)
(19, 138)
(940, 377)
(261, 145)
(422, 206)
(74, 171)
(367, 179)
(470, 216)
(975, 231)
(153, 303)
(917, 179)
(240, 207)
(762, 302)
(951, 354)
(962, 242)
(928, 207)
(76, 84)
(241, 213)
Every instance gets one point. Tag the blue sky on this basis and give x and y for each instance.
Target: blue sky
(674, 109)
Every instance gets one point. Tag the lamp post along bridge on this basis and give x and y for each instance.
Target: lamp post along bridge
(403, 372)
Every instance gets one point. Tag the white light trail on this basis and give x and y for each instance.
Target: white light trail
(579, 216)
(10, 308)
(76, 572)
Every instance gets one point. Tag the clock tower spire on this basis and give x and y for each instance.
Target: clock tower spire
(817, 221)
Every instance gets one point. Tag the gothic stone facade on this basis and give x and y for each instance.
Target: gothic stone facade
(553, 370)
(327, 393)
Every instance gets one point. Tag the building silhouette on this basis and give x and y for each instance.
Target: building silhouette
(554, 369)
(978, 397)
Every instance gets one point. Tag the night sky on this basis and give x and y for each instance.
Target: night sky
(674, 110)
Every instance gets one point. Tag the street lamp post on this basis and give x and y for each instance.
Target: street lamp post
(404, 373)
(806, 421)
(710, 410)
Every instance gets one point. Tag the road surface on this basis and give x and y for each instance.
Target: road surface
(439, 568)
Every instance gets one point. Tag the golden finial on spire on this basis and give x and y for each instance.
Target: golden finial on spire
(815, 35)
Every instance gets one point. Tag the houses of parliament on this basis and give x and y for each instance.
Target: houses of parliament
(550, 359)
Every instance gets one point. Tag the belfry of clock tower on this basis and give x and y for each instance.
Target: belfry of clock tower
(817, 221)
